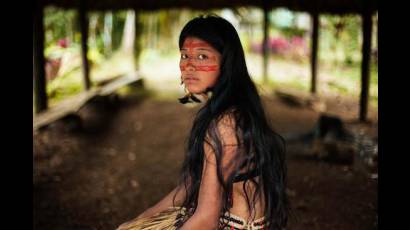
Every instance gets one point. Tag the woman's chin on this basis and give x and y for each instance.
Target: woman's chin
(194, 90)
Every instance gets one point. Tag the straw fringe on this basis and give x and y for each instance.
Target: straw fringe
(174, 217)
(165, 220)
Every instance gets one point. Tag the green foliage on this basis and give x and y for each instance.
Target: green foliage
(290, 32)
(59, 24)
(118, 27)
(340, 39)
(64, 86)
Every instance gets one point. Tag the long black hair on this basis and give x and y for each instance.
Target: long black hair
(234, 91)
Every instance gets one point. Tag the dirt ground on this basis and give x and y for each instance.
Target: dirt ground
(128, 156)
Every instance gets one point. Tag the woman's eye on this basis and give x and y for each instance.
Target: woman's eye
(202, 57)
(184, 56)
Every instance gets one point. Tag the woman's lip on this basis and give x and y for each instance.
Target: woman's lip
(190, 79)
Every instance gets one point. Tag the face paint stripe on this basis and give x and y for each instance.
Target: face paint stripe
(210, 68)
(189, 45)
(207, 68)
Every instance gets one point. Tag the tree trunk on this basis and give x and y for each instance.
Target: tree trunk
(108, 21)
(93, 30)
(128, 36)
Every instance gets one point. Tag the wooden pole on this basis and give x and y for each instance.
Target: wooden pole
(314, 51)
(365, 71)
(137, 38)
(84, 48)
(265, 44)
(40, 93)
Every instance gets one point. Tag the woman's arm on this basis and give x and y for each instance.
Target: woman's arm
(165, 203)
(208, 211)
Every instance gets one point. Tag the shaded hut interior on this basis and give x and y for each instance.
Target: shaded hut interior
(101, 158)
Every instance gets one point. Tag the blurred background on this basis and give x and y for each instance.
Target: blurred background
(108, 131)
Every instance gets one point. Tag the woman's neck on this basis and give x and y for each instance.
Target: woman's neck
(203, 97)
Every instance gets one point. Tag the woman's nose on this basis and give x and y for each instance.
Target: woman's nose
(190, 66)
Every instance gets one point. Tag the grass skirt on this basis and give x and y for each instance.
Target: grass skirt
(174, 217)
(170, 219)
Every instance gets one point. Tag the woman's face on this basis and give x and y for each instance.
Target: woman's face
(199, 64)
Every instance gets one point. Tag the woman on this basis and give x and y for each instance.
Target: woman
(234, 172)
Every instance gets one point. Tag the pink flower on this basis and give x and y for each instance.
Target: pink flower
(279, 45)
(62, 43)
(297, 41)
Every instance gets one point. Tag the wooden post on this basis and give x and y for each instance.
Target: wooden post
(265, 44)
(84, 48)
(314, 51)
(40, 93)
(137, 43)
(366, 52)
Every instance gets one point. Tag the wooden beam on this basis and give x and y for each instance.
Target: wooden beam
(265, 44)
(365, 71)
(324, 6)
(40, 93)
(314, 51)
(84, 48)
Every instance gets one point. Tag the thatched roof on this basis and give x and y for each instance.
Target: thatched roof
(322, 6)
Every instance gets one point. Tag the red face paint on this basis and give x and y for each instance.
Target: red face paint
(204, 68)
(210, 68)
(201, 61)
(189, 45)
(213, 58)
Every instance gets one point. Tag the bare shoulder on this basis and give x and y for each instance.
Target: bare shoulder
(223, 130)
(227, 119)
(226, 125)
